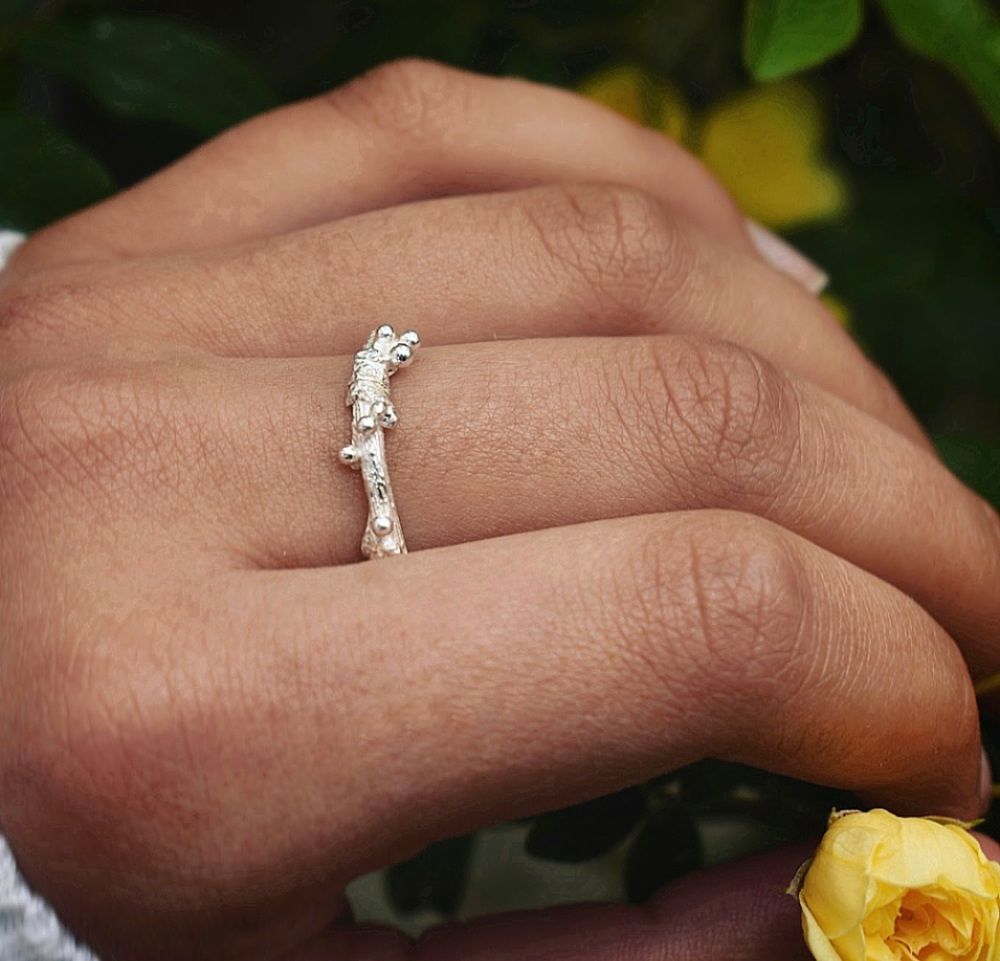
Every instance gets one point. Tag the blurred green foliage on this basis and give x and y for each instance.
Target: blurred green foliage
(95, 94)
(433, 880)
(964, 34)
(147, 68)
(783, 37)
(586, 830)
(43, 173)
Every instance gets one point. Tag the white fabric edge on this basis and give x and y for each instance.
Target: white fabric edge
(10, 240)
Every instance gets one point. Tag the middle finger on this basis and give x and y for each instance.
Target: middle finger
(556, 261)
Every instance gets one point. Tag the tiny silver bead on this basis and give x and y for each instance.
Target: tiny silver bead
(348, 455)
(381, 525)
(366, 424)
(401, 354)
(388, 418)
(384, 331)
(411, 338)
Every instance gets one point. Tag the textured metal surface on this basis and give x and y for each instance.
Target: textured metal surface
(372, 414)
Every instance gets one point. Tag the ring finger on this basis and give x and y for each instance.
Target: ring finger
(509, 437)
(520, 436)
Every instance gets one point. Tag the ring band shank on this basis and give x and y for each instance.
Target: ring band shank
(372, 413)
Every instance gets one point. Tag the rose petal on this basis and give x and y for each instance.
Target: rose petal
(819, 944)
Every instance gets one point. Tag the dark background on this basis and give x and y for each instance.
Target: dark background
(96, 95)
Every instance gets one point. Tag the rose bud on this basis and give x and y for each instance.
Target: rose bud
(885, 888)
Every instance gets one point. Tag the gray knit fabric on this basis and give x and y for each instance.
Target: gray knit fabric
(29, 929)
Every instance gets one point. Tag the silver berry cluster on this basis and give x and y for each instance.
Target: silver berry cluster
(368, 394)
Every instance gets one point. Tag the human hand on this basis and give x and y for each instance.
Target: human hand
(663, 508)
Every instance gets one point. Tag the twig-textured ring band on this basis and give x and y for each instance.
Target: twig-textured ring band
(372, 413)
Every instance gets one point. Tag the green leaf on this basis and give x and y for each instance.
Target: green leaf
(706, 780)
(586, 830)
(667, 846)
(43, 174)
(142, 67)
(975, 462)
(782, 37)
(923, 294)
(10, 86)
(435, 878)
(566, 14)
(12, 10)
(962, 34)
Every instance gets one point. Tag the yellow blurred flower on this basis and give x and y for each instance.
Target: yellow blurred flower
(884, 888)
(641, 97)
(839, 310)
(764, 144)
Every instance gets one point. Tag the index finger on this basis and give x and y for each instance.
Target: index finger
(405, 131)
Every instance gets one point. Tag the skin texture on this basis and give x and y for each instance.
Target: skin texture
(661, 509)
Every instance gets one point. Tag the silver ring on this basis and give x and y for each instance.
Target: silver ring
(368, 394)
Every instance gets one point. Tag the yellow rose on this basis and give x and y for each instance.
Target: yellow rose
(884, 888)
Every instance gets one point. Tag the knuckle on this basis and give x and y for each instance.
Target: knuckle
(614, 241)
(102, 755)
(33, 309)
(748, 604)
(27, 439)
(77, 427)
(724, 423)
(714, 609)
(118, 757)
(410, 97)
